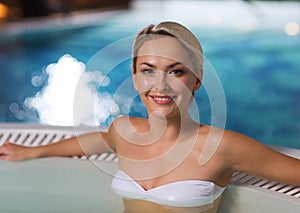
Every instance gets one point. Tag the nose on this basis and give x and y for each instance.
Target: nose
(161, 81)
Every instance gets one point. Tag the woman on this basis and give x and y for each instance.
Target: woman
(169, 162)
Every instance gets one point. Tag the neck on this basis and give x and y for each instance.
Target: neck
(171, 127)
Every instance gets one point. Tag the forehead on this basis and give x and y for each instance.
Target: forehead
(168, 48)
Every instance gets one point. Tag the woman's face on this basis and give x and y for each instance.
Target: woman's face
(163, 76)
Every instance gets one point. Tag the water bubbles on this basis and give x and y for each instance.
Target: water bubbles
(37, 81)
(14, 108)
(70, 96)
(18, 111)
(99, 78)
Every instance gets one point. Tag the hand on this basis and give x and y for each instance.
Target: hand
(13, 152)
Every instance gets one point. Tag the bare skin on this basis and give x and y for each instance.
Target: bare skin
(137, 206)
(152, 144)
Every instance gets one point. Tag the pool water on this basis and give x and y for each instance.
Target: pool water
(259, 72)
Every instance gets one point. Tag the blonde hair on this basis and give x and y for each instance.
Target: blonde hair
(176, 30)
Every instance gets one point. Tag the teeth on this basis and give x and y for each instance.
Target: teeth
(162, 99)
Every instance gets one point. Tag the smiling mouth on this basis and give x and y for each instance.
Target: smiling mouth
(162, 99)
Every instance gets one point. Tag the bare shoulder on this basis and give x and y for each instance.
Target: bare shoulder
(239, 144)
(234, 144)
(126, 127)
(232, 138)
(230, 146)
(117, 125)
(245, 154)
(128, 122)
(212, 141)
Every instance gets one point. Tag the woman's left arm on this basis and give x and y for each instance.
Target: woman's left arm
(248, 155)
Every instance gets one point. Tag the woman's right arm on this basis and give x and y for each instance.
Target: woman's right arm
(85, 144)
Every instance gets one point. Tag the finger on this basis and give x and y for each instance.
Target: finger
(3, 157)
(4, 144)
(7, 143)
(4, 149)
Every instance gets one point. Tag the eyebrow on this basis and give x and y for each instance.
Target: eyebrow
(169, 67)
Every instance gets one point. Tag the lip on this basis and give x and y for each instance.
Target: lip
(162, 99)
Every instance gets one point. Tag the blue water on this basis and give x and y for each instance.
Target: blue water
(259, 72)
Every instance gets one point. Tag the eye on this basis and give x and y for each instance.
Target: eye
(148, 71)
(176, 72)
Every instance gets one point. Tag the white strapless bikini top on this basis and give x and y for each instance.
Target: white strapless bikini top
(186, 193)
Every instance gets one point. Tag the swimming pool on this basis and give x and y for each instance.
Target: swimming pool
(259, 70)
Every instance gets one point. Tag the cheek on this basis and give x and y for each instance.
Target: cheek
(173, 85)
(184, 87)
(143, 84)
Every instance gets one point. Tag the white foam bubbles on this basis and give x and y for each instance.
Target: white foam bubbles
(70, 96)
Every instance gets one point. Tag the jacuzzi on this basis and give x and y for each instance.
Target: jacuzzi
(75, 184)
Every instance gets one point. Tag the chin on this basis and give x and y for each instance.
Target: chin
(164, 114)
